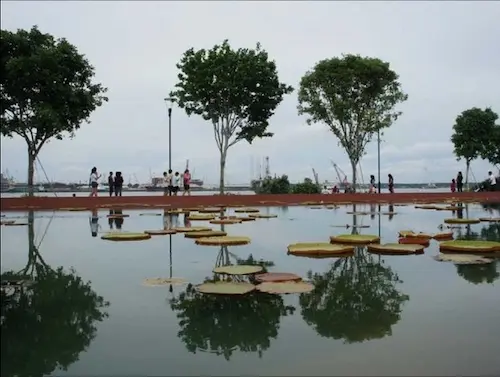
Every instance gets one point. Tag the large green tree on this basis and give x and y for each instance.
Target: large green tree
(472, 136)
(47, 90)
(47, 324)
(237, 91)
(355, 97)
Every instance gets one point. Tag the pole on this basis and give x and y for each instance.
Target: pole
(169, 112)
(378, 157)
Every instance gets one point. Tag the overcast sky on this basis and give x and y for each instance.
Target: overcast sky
(446, 54)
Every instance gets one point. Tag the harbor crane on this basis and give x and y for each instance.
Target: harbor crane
(315, 175)
(342, 176)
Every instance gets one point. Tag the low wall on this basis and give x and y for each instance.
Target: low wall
(48, 203)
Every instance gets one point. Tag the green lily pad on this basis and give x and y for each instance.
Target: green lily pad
(462, 259)
(161, 282)
(357, 239)
(262, 216)
(285, 287)
(395, 249)
(192, 229)
(208, 233)
(319, 248)
(223, 241)
(225, 288)
(238, 270)
(470, 246)
(461, 221)
(125, 236)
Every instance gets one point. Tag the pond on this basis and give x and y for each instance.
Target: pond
(89, 313)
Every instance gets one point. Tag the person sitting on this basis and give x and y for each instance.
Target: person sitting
(492, 182)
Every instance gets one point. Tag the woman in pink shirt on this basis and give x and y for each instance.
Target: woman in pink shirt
(187, 182)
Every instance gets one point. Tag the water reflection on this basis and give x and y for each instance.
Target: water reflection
(46, 325)
(356, 300)
(226, 324)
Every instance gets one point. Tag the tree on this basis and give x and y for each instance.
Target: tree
(236, 90)
(306, 187)
(269, 185)
(47, 324)
(472, 136)
(355, 97)
(492, 151)
(47, 90)
(224, 324)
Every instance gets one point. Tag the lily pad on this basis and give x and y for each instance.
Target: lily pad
(414, 241)
(315, 207)
(246, 210)
(358, 213)
(357, 239)
(248, 218)
(263, 216)
(319, 248)
(490, 219)
(462, 259)
(181, 229)
(125, 236)
(395, 249)
(161, 282)
(225, 221)
(469, 246)
(150, 214)
(443, 236)
(177, 211)
(285, 287)
(201, 217)
(225, 288)
(277, 277)
(405, 233)
(208, 233)
(238, 270)
(7, 222)
(75, 209)
(15, 224)
(160, 232)
(461, 221)
(117, 216)
(389, 213)
(426, 207)
(419, 235)
(332, 207)
(223, 241)
(211, 210)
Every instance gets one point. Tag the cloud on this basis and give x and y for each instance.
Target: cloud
(441, 50)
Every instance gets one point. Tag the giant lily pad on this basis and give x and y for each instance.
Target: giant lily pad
(443, 236)
(225, 221)
(319, 248)
(461, 221)
(414, 241)
(117, 216)
(426, 207)
(181, 229)
(469, 246)
(160, 232)
(277, 277)
(208, 233)
(177, 211)
(238, 270)
(263, 216)
(246, 210)
(15, 224)
(246, 218)
(395, 249)
(406, 233)
(411, 234)
(225, 288)
(7, 222)
(355, 239)
(201, 217)
(358, 213)
(285, 287)
(462, 259)
(223, 241)
(490, 219)
(210, 210)
(150, 214)
(161, 282)
(125, 236)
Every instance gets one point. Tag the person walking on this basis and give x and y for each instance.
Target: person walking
(453, 185)
(187, 182)
(94, 181)
(176, 182)
(169, 182)
(391, 183)
(111, 183)
(460, 182)
(118, 183)
(372, 184)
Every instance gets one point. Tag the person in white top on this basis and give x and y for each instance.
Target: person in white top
(168, 182)
(176, 182)
(492, 181)
(94, 181)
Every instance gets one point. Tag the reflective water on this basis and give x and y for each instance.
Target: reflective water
(368, 315)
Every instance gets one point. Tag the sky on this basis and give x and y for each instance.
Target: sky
(443, 51)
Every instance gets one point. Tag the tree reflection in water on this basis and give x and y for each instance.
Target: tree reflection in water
(46, 325)
(225, 324)
(356, 300)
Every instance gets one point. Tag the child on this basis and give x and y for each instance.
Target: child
(453, 186)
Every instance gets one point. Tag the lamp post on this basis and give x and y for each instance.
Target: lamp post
(378, 159)
(169, 113)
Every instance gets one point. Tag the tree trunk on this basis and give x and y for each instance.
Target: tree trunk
(31, 170)
(354, 178)
(467, 162)
(222, 171)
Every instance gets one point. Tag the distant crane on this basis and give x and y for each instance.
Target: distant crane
(267, 168)
(315, 175)
(342, 176)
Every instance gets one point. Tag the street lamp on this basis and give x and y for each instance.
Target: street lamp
(378, 157)
(169, 113)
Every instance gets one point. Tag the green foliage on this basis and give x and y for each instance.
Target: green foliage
(306, 187)
(236, 90)
(47, 324)
(47, 87)
(269, 185)
(491, 151)
(472, 134)
(354, 96)
(356, 300)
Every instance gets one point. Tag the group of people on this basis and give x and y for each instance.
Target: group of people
(172, 182)
(115, 182)
(491, 183)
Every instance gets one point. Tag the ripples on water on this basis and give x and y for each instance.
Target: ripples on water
(368, 315)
